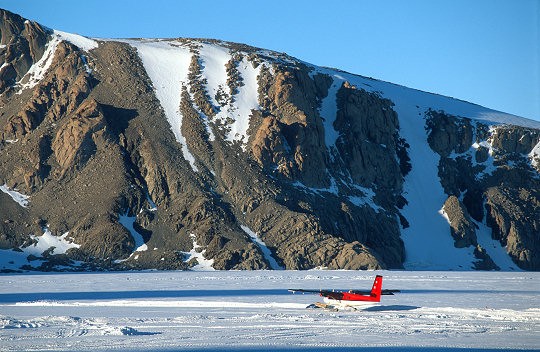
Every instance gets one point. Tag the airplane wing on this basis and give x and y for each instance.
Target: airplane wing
(384, 292)
(294, 290)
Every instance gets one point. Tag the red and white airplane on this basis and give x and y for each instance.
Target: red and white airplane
(351, 298)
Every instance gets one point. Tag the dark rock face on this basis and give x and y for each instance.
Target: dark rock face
(461, 225)
(368, 127)
(102, 163)
(289, 143)
(513, 214)
(489, 176)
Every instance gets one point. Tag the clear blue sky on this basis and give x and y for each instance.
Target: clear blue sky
(483, 51)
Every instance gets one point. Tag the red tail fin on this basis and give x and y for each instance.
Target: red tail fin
(376, 290)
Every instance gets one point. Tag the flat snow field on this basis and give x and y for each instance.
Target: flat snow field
(239, 311)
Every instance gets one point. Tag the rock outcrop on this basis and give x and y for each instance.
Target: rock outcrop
(23, 44)
(513, 214)
(489, 176)
(461, 226)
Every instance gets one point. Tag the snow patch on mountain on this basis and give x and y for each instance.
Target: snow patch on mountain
(328, 112)
(153, 206)
(367, 199)
(197, 254)
(444, 214)
(489, 164)
(79, 41)
(245, 101)
(15, 259)
(493, 247)
(427, 240)
(426, 100)
(20, 198)
(333, 188)
(262, 246)
(167, 65)
(534, 155)
(38, 69)
(47, 240)
(214, 59)
(128, 222)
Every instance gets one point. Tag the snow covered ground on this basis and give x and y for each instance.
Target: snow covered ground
(136, 311)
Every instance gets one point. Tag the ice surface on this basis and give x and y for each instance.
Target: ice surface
(16, 196)
(240, 311)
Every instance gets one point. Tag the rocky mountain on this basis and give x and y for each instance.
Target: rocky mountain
(196, 153)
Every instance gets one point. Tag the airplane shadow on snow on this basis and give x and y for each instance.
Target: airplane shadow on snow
(393, 308)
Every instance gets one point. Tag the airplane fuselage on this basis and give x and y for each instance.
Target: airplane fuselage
(347, 303)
